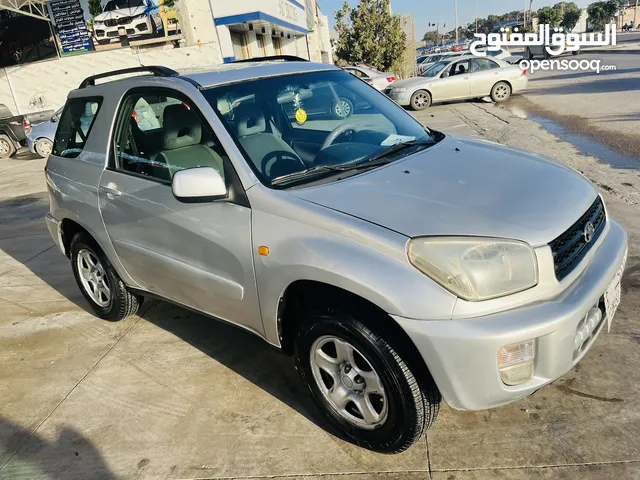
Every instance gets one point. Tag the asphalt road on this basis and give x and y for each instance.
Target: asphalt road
(604, 106)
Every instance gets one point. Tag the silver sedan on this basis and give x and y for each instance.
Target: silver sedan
(459, 79)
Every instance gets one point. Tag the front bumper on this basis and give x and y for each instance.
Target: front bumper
(462, 354)
(135, 28)
(31, 144)
(401, 98)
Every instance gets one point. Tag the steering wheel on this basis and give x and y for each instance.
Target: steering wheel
(336, 132)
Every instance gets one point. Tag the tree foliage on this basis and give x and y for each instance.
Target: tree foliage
(572, 14)
(601, 13)
(431, 37)
(369, 34)
(95, 8)
(549, 16)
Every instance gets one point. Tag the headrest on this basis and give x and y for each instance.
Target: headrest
(249, 120)
(181, 127)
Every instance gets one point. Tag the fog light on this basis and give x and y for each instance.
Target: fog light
(515, 362)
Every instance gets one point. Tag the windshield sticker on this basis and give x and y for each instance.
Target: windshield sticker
(394, 139)
(301, 116)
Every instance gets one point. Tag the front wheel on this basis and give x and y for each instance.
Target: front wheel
(420, 100)
(500, 92)
(361, 384)
(99, 283)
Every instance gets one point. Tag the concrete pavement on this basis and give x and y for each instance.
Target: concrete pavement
(170, 394)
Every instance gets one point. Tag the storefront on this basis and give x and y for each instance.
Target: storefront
(258, 28)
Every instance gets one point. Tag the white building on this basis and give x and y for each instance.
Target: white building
(199, 33)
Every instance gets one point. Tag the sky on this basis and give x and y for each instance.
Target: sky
(443, 12)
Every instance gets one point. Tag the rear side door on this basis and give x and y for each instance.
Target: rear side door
(484, 75)
(195, 254)
(455, 86)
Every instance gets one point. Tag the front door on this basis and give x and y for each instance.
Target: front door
(195, 254)
(455, 86)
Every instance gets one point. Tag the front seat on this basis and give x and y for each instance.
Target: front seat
(181, 148)
(269, 153)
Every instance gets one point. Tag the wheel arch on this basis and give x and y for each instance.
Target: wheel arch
(304, 294)
(70, 228)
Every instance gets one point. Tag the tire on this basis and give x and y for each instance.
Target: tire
(420, 100)
(577, 52)
(120, 302)
(15, 52)
(398, 416)
(501, 92)
(7, 149)
(43, 147)
(527, 54)
(342, 109)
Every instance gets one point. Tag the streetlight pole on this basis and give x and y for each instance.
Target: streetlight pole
(477, 15)
(455, 2)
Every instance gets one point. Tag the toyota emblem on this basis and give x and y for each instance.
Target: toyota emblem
(589, 232)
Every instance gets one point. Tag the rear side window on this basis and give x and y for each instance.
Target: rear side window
(75, 125)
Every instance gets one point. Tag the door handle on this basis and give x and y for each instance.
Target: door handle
(466, 78)
(111, 189)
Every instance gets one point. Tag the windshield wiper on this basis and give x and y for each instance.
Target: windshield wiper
(325, 168)
(399, 147)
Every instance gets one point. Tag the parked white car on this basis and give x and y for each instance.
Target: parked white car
(139, 17)
(379, 80)
(431, 60)
(460, 78)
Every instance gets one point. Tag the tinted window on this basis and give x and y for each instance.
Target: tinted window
(75, 126)
(157, 135)
(480, 64)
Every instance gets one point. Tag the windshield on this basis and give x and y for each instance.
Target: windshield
(297, 123)
(436, 69)
(118, 4)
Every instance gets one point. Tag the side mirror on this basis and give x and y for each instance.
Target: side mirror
(54, 119)
(200, 184)
(445, 75)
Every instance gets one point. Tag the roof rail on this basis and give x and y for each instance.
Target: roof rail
(156, 70)
(273, 58)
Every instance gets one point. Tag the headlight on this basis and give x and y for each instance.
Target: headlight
(475, 268)
(399, 89)
(98, 22)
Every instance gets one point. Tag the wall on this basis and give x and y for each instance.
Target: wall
(52, 80)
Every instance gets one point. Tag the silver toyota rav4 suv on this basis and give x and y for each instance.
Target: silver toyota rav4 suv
(396, 263)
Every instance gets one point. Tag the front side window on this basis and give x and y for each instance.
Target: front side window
(74, 126)
(297, 126)
(435, 69)
(158, 134)
(482, 64)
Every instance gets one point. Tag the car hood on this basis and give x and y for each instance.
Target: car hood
(464, 187)
(121, 12)
(413, 82)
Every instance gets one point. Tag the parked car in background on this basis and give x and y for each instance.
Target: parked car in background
(533, 51)
(39, 139)
(20, 38)
(139, 17)
(14, 128)
(373, 77)
(433, 59)
(460, 78)
(397, 264)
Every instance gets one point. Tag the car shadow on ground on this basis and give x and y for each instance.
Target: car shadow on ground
(24, 454)
(245, 353)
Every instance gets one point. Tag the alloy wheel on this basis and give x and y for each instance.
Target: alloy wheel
(348, 382)
(5, 148)
(502, 92)
(343, 109)
(15, 51)
(93, 277)
(43, 147)
(421, 100)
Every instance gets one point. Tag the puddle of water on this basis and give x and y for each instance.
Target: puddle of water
(581, 142)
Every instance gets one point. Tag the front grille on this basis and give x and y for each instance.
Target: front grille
(114, 22)
(571, 247)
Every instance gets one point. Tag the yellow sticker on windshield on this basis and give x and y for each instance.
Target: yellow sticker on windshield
(301, 116)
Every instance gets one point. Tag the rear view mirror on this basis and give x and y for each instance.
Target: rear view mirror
(201, 184)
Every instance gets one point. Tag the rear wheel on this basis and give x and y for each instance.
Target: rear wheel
(420, 100)
(527, 54)
(43, 147)
(99, 283)
(6, 147)
(500, 92)
(343, 108)
(361, 384)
